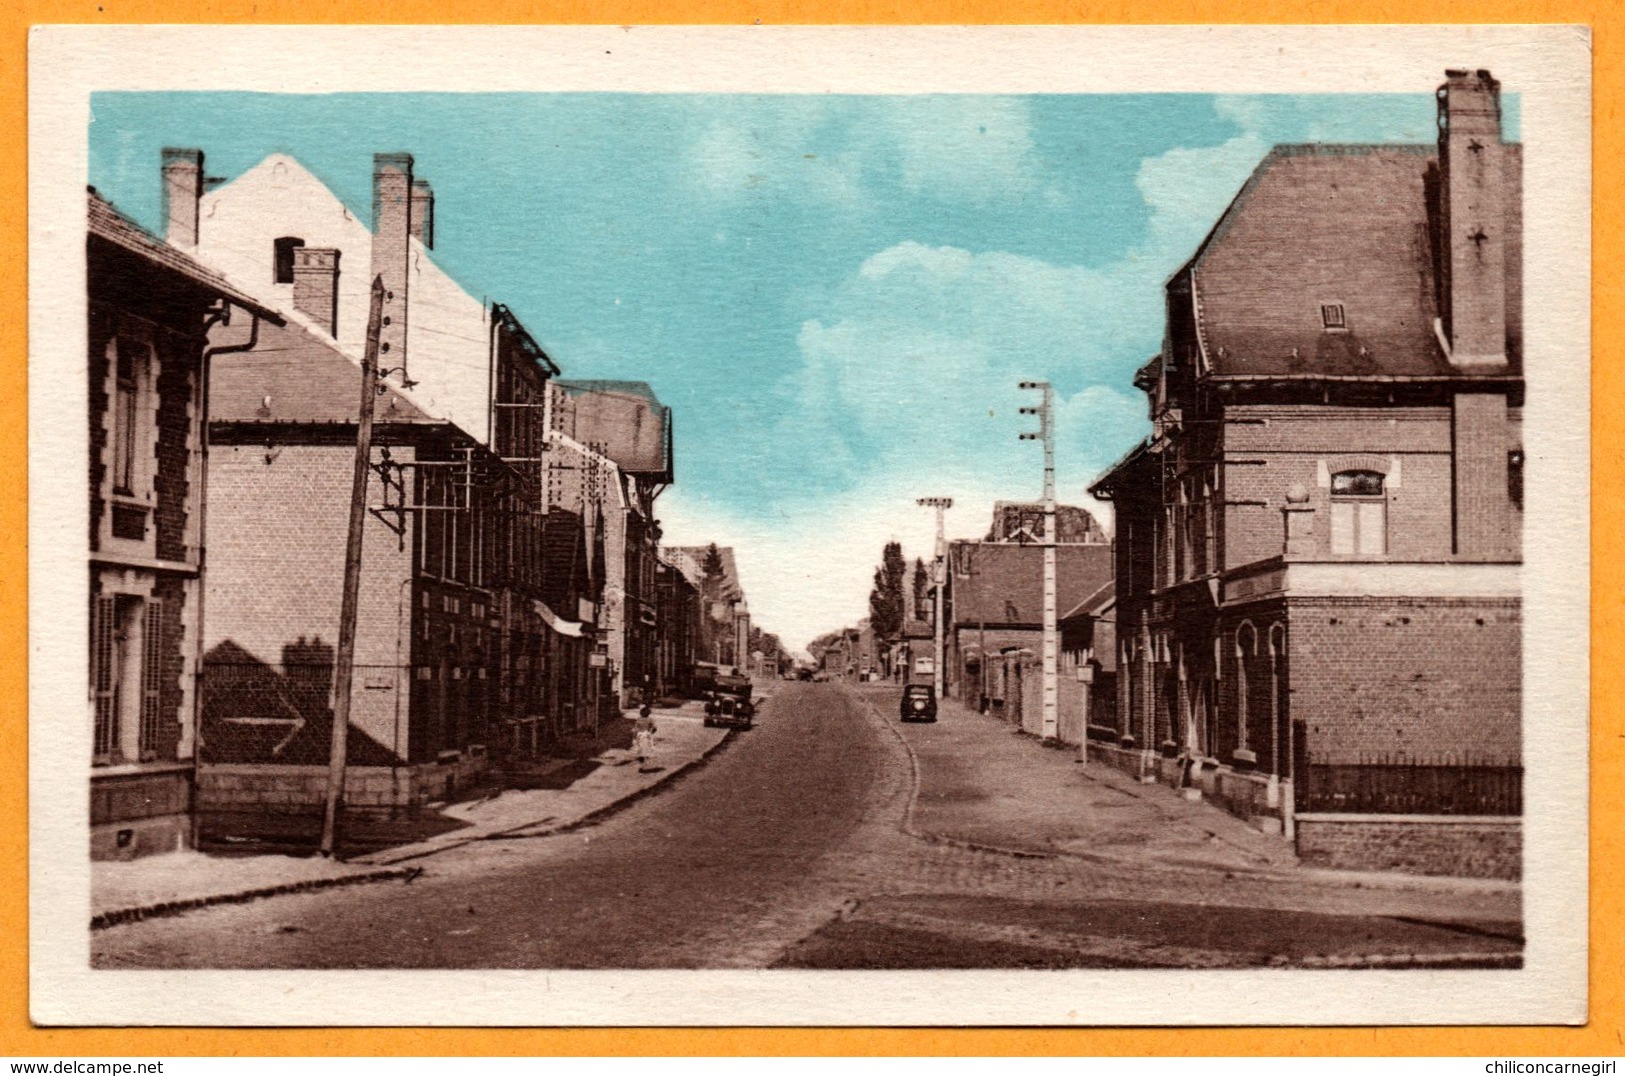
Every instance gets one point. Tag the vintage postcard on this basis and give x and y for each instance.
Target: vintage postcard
(790, 526)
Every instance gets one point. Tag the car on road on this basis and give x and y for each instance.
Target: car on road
(919, 703)
(729, 711)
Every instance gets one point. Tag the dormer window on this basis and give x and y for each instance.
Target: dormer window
(1332, 317)
(284, 248)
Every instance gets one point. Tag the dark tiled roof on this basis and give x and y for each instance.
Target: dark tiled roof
(106, 222)
(1094, 603)
(1344, 224)
(294, 375)
(1003, 583)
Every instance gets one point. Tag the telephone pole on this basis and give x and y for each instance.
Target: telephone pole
(939, 577)
(344, 660)
(1046, 419)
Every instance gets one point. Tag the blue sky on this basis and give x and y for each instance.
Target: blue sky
(837, 294)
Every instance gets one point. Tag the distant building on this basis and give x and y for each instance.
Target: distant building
(995, 628)
(626, 422)
(1023, 521)
(1318, 600)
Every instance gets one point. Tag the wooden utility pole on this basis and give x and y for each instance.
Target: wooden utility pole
(344, 661)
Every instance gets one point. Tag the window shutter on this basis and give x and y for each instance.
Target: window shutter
(101, 677)
(152, 664)
(1373, 527)
(1342, 527)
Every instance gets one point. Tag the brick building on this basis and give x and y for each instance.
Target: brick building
(725, 623)
(483, 565)
(150, 307)
(1318, 549)
(626, 422)
(994, 598)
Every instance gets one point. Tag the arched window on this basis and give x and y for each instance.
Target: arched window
(1359, 513)
(284, 248)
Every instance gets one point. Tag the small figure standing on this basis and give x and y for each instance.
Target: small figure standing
(643, 737)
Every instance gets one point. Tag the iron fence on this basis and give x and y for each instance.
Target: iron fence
(1394, 785)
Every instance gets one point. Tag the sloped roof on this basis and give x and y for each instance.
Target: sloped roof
(298, 374)
(1003, 583)
(1096, 603)
(1348, 224)
(106, 222)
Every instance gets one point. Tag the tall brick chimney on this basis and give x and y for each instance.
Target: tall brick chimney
(1473, 215)
(1473, 190)
(391, 249)
(316, 285)
(183, 187)
(423, 212)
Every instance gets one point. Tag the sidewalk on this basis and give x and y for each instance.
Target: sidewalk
(983, 783)
(575, 793)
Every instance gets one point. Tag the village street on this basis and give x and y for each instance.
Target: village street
(830, 836)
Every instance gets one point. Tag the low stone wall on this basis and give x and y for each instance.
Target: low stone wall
(1471, 846)
(303, 789)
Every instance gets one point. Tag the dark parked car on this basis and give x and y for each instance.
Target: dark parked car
(919, 703)
(729, 711)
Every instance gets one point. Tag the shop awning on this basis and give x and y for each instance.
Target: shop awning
(573, 629)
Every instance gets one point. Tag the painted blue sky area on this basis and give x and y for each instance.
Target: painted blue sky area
(837, 294)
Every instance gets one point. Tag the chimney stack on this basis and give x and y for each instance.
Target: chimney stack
(1472, 174)
(183, 187)
(316, 286)
(1473, 211)
(391, 250)
(423, 212)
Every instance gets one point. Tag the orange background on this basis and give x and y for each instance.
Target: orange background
(1604, 1035)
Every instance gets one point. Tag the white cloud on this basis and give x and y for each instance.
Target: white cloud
(908, 383)
(971, 148)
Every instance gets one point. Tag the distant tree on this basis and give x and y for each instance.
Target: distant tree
(716, 634)
(712, 571)
(922, 586)
(886, 598)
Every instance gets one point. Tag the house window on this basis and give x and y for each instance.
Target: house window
(129, 367)
(1331, 316)
(284, 248)
(126, 677)
(1359, 513)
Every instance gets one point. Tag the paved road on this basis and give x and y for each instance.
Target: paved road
(787, 849)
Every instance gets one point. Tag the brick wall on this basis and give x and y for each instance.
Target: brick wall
(1296, 442)
(1484, 516)
(276, 536)
(178, 362)
(1413, 677)
(303, 789)
(1475, 847)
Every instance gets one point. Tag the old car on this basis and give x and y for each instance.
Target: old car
(919, 703)
(726, 710)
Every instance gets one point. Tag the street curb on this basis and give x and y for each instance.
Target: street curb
(1362, 879)
(908, 827)
(178, 907)
(596, 816)
(528, 830)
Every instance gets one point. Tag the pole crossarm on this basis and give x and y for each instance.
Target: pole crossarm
(1045, 412)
